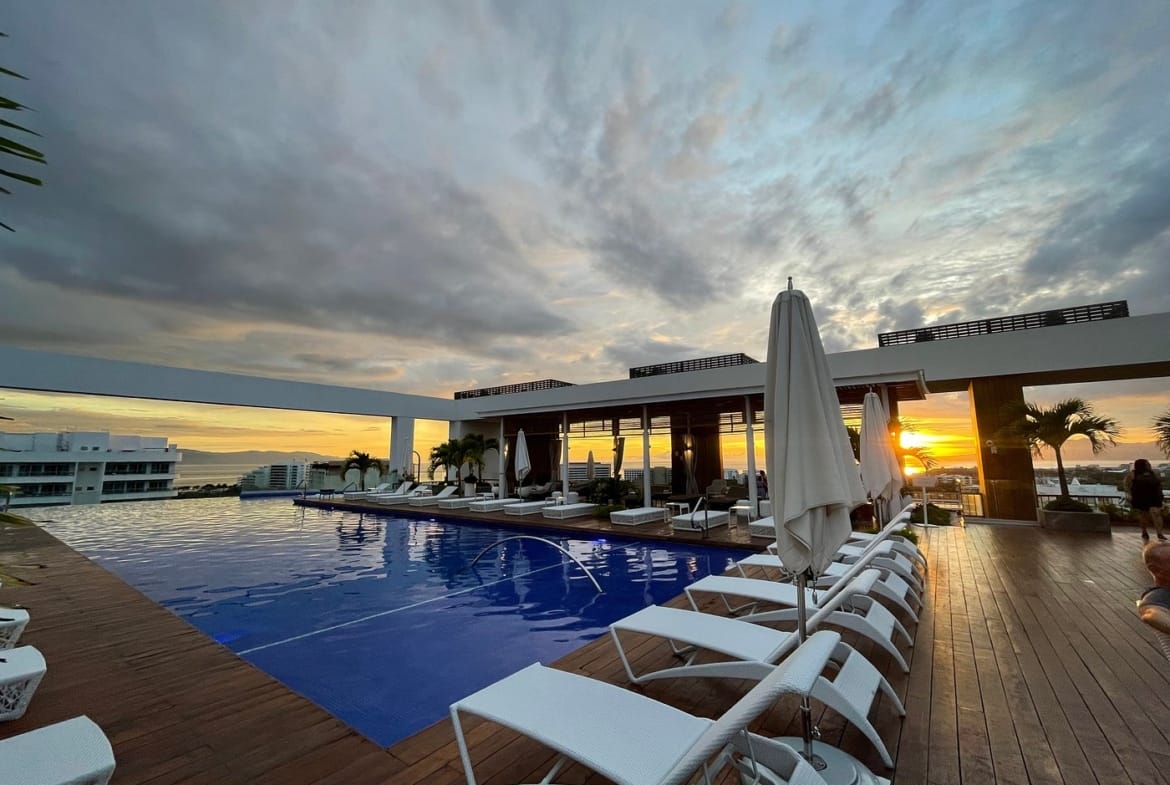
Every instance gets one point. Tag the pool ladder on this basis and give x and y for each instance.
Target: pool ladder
(702, 502)
(588, 574)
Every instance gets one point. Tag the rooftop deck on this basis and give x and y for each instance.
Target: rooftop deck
(1030, 666)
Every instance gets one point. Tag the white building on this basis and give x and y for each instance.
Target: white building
(86, 467)
(579, 470)
(275, 477)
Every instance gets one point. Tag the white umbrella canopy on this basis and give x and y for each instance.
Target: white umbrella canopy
(619, 451)
(523, 462)
(881, 475)
(814, 479)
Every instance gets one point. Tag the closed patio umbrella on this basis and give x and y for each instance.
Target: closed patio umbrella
(523, 463)
(881, 476)
(619, 451)
(814, 483)
(589, 468)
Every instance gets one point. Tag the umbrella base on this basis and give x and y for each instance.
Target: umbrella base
(841, 768)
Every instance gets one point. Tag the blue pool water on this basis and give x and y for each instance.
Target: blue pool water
(378, 619)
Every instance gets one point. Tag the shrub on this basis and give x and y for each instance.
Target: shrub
(1067, 504)
(935, 515)
(909, 534)
(1118, 513)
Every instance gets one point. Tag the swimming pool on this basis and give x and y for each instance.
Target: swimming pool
(378, 619)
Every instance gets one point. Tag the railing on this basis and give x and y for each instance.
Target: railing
(1096, 502)
(1028, 321)
(700, 364)
(508, 389)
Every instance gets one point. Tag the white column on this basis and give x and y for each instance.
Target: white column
(565, 454)
(503, 465)
(402, 445)
(748, 415)
(646, 500)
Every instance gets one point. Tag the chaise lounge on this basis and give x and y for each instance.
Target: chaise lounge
(699, 520)
(12, 624)
(493, 505)
(638, 516)
(528, 508)
(431, 501)
(21, 670)
(562, 511)
(73, 752)
(635, 740)
(756, 650)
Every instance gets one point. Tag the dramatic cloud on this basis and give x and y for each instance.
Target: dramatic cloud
(432, 196)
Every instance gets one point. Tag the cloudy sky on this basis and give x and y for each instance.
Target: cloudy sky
(433, 196)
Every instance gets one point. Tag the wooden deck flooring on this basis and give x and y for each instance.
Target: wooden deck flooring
(1030, 666)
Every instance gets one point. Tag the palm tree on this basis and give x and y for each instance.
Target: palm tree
(449, 453)
(1161, 426)
(1052, 427)
(363, 463)
(9, 146)
(475, 446)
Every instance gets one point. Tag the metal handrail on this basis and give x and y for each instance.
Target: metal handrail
(588, 574)
(706, 505)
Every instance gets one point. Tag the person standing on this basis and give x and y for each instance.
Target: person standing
(1144, 488)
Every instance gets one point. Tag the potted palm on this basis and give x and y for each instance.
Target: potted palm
(363, 462)
(1161, 427)
(1049, 428)
(448, 455)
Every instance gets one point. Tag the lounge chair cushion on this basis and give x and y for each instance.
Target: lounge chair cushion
(73, 752)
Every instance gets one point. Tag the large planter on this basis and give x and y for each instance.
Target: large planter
(1059, 520)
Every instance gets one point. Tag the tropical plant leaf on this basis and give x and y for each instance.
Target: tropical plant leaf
(6, 226)
(7, 124)
(22, 177)
(1161, 425)
(16, 148)
(8, 103)
(12, 73)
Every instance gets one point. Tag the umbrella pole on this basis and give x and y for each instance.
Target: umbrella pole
(805, 707)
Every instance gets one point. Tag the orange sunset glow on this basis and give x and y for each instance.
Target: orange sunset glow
(940, 424)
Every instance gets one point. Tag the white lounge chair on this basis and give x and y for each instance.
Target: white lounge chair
(402, 489)
(878, 554)
(384, 487)
(755, 651)
(634, 740)
(21, 670)
(528, 508)
(889, 585)
(73, 752)
(699, 520)
(897, 543)
(638, 516)
(12, 624)
(395, 498)
(493, 505)
(433, 500)
(867, 617)
(561, 511)
(456, 503)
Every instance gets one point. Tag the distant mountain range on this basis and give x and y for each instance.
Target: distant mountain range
(250, 457)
